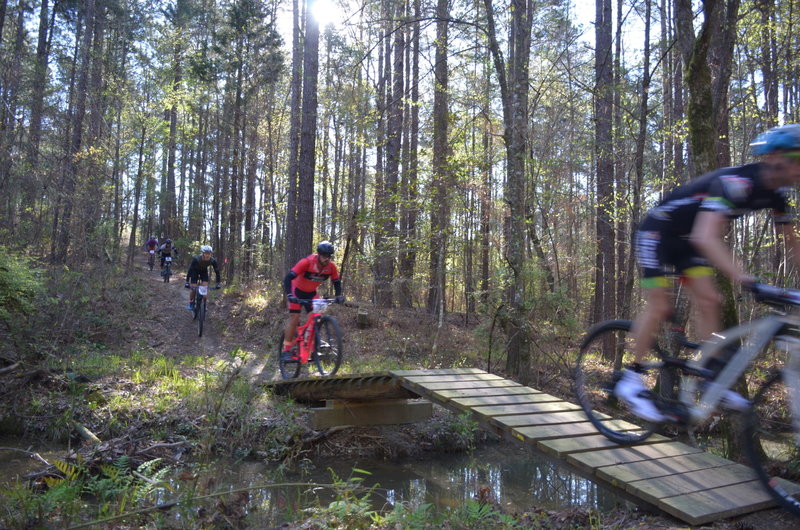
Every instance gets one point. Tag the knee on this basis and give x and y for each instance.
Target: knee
(708, 301)
(659, 308)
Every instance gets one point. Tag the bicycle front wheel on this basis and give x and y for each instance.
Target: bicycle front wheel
(201, 316)
(328, 346)
(289, 368)
(606, 349)
(772, 442)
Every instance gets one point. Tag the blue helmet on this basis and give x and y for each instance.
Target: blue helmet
(784, 138)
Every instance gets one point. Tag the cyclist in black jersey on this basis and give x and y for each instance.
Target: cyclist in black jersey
(198, 272)
(685, 232)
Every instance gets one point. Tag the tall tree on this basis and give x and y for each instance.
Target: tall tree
(71, 165)
(442, 180)
(308, 137)
(514, 89)
(604, 161)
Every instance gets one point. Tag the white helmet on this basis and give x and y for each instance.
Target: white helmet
(206, 248)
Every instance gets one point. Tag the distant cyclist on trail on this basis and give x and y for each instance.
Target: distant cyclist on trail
(301, 283)
(166, 250)
(686, 231)
(198, 272)
(151, 244)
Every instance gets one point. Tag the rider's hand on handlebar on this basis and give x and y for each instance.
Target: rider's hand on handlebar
(339, 299)
(292, 299)
(186, 285)
(219, 286)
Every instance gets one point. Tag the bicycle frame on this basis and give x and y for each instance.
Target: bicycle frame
(305, 335)
(758, 333)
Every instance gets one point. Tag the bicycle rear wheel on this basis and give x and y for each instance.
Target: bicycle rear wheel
(772, 442)
(605, 350)
(328, 346)
(290, 369)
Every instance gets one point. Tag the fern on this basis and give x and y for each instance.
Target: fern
(71, 472)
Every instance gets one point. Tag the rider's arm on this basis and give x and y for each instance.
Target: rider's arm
(337, 286)
(707, 236)
(287, 282)
(216, 269)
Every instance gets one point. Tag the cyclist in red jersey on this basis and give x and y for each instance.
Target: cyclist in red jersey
(301, 283)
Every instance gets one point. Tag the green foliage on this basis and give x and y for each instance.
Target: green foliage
(349, 510)
(461, 432)
(20, 283)
(115, 490)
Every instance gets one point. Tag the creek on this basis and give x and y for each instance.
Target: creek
(510, 474)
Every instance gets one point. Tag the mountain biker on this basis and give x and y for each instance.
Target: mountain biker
(151, 244)
(167, 250)
(686, 231)
(198, 270)
(301, 283)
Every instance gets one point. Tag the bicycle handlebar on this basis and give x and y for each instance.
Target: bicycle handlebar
(774, 296)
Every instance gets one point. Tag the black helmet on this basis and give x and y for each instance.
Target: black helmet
(325, 248)
(168, 241)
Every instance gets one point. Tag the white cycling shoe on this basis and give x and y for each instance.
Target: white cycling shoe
(631, 391)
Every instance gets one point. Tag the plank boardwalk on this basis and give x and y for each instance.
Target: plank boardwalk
(687, 483)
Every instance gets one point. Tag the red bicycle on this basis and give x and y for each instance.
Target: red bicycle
(320, 339)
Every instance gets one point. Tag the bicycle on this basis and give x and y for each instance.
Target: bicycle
(151, 260)
(200, 308)
(166, 270)
(771, 434)
(320, 339)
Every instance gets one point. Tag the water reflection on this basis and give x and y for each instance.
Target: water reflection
(516, 478)
(512, 475)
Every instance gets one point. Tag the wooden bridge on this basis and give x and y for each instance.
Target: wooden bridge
(683, 481)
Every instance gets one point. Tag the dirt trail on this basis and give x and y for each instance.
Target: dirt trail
(175, 332)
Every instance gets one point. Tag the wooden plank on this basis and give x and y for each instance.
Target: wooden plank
(721, 503)
(444, 395)
(541, 418)
(436, 371)
(461, 385)
(442, 378)
(518, 399)
(624, 455)
(529, 408)
(560, 447)
(624, 473)
(547, 432)
(655, 489)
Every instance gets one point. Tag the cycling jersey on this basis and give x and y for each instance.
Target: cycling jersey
(167, 250)
(198, 269)
(309, 274)
(663, 236)
(732, 191)
(151, 244)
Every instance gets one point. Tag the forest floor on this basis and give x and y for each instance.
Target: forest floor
(249, 325)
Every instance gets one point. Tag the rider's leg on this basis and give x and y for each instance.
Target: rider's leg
(290, 330)
(707, 302)
(630, 388)
(657, 309)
